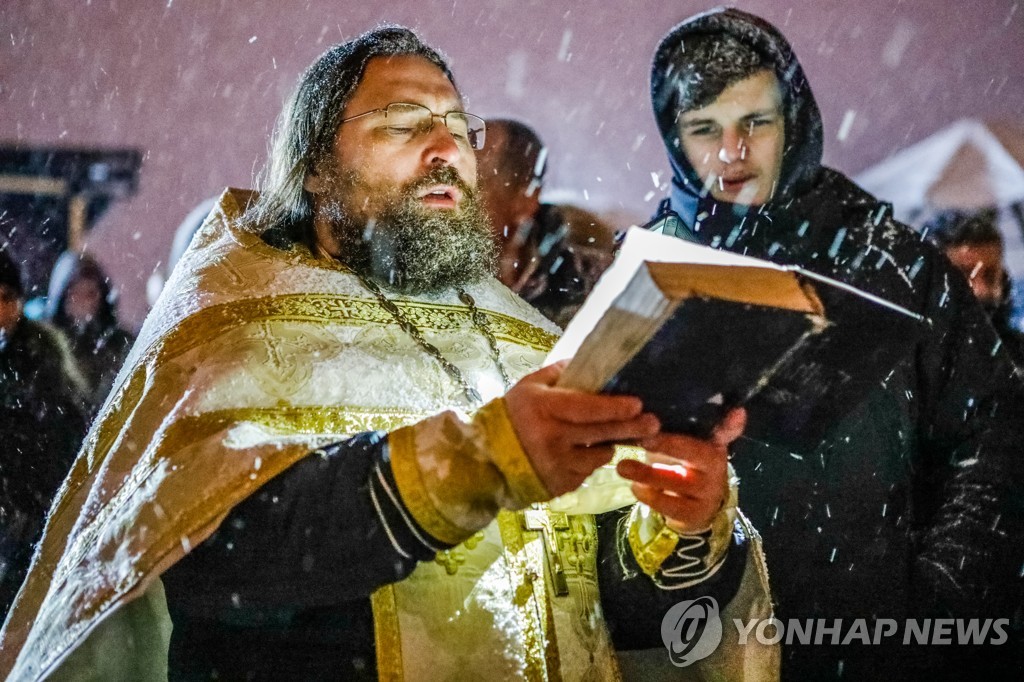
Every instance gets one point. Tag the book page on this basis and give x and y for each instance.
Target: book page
(625, 327)
(640, 245)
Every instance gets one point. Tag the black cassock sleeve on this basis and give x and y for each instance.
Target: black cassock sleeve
(633, 603)
(329, 529)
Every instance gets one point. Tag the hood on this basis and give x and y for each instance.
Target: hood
(803, 149)
(69, 267)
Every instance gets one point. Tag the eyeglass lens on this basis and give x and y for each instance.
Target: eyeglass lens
(465, 128)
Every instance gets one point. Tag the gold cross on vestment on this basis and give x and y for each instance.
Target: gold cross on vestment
(547, 524)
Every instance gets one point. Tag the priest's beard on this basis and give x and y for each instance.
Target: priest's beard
(407, 247)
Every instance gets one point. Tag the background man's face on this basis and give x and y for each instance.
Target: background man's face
(83, 300)
(385, 162)
(510, 200)
(735, 144)
(982, 265)
(10, 309)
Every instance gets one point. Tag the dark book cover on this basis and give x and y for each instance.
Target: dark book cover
(695, 331)
(708, 357)
(795, 377)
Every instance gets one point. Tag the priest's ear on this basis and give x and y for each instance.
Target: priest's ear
(313, 182)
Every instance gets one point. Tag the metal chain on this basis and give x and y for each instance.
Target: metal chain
(479, 321)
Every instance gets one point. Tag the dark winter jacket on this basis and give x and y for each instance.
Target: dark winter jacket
(42, 423)
(912, 506)
(100, 346)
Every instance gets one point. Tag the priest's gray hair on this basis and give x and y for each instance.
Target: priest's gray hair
(306, 129)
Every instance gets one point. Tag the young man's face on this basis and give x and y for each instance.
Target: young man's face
(387, 160)
(982, 265)
(735, 144)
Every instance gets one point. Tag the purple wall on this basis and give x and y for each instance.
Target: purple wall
(196, 84)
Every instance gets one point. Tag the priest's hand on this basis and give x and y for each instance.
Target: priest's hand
(567, 434)
(686, 479)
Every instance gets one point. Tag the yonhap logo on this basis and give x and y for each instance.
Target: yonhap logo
(691, 630)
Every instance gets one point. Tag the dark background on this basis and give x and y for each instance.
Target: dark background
(196, 84)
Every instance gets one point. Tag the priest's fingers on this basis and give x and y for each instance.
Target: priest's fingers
(686, 514)
(696, 454)
(641, 427)
(563, 471)
(578, 407)
(535, 394)
(563, 460)
(584, 460)
(553, 423)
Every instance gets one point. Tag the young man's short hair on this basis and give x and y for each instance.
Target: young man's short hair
(705, 65)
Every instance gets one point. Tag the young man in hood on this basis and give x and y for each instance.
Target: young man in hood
(911, 506)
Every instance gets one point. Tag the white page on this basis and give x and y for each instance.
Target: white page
(639, 245)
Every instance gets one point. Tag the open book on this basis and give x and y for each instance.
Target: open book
(695, 331)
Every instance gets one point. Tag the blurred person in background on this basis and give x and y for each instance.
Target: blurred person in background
(42, 422)
(182, 238)
(550, 255)
(973, 243)
(81, 303)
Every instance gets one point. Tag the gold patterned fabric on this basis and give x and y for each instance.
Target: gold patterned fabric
(252, 358)
(239, 370)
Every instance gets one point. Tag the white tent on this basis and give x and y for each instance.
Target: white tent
(971, 164)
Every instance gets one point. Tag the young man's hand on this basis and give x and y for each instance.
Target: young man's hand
(686, 478)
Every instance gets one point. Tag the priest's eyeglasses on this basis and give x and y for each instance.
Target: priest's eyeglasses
(404, 121)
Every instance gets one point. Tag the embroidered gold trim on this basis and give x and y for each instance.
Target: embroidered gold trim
(197, 328)
(386, 635)
(314, 420)
(535, 611)
(507, 454)
(650, 555)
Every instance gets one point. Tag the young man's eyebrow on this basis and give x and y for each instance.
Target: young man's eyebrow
(770, 111)
(696, 122)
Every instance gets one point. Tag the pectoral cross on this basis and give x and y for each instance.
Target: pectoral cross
(547, 524)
